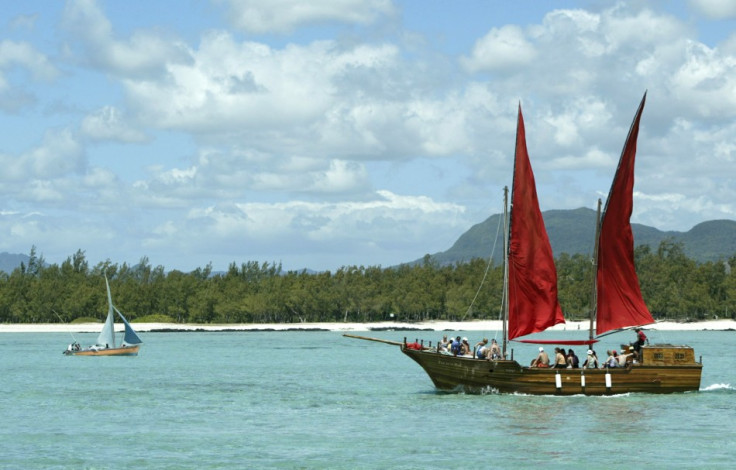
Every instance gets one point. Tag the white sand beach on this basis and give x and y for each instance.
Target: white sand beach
(490, 325)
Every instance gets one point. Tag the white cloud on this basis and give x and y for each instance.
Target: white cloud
(283, 137)
(287, 87)
(705, 80)
(25, 55)
(143, 53)
(580, 115)
(387, 219)
(282, 16)
(340, 177)
(109, 123)
(13, 91)
(504, 48)
(59, 155)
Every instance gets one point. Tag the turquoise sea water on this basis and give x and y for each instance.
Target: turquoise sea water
(319, 400)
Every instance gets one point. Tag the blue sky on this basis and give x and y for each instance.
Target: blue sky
(334, 133)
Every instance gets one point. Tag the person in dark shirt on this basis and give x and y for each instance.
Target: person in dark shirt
(641, 338)
(455, 346)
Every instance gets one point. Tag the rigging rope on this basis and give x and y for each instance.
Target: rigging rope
(62, 320)
(488, 267)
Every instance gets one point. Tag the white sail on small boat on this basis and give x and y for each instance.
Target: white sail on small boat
(105, 344)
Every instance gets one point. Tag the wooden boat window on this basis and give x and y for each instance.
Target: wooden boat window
(658, 356)
(679, 357)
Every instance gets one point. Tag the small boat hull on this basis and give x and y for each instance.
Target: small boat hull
(122, 351)
(470, 375)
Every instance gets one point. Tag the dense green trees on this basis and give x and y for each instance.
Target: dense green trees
(674, 286)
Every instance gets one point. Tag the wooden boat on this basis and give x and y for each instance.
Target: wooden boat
(105, 344)
(531, 304)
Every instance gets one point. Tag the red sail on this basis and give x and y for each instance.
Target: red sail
(620, 303)
(532, 284)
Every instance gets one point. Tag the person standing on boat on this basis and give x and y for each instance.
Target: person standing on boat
(641, 338)
(542, 359)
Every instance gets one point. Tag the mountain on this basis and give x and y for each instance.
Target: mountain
(570, 231)
(573, 232)
(10, 261)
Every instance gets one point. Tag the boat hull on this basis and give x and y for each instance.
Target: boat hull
(123, 351)
(452, 373)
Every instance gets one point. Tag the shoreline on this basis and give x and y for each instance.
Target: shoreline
(483, 325)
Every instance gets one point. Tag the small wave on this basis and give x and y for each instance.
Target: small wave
(718, 387)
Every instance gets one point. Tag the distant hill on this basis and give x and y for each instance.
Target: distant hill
(573, 231)
(10, 261)
(570, 231)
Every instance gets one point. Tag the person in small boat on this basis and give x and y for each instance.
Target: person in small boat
(641, 338)
(542, 359)
(442, 345)
(612, 360)
(481, 348)
(560, 359)
(591, 361)
(572, 360)
(455, 346)
(495, 350)
(465, 348)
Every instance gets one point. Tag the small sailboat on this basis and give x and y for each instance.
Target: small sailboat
(531, 304)
(105, 344)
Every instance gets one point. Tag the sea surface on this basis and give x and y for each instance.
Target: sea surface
(316, 399)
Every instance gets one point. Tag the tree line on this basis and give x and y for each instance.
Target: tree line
(674, 287)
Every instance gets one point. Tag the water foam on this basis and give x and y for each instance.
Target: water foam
(717, 387)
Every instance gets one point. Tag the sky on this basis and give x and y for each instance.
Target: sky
(335, 133)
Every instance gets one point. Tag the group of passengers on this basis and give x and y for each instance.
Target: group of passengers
(485, 351)
(569, 360)
(461, 347)
(629, 356)
(564, 360)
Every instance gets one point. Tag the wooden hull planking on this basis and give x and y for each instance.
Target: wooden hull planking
(125, 351)
(505, 376)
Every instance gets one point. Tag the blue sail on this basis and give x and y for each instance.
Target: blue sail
(130, 335)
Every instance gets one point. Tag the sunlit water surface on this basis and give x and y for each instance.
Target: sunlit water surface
(319, 400)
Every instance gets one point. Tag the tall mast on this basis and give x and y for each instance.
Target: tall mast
(505, 294)
(594, 297)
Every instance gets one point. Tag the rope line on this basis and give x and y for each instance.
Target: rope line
(488, 267)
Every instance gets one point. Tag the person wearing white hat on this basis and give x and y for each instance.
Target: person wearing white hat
(542, 359)
(591, 362)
